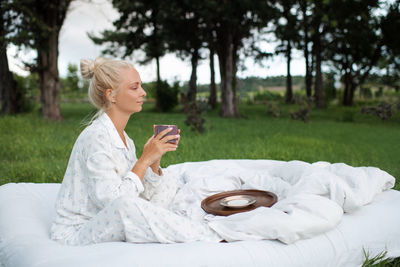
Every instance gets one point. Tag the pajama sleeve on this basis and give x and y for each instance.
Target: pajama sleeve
(151, 181)
(105, 183)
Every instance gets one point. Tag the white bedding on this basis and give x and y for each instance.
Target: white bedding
(311, 197)
(26, 211)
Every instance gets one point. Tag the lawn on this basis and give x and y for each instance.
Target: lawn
(34, 150)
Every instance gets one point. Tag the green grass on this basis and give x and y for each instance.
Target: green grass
(35, 150)
(380, 260)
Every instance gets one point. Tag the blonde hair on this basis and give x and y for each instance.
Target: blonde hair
(103, 74)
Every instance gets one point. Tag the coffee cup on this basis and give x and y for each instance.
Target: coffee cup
(161, 127)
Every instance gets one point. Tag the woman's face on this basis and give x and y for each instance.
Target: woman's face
(129, 99)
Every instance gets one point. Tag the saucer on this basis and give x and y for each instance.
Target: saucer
(238, 201)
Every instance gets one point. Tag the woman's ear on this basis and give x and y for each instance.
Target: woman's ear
(108, 96)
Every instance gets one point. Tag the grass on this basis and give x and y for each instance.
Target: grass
(380, 260)
(35, 150)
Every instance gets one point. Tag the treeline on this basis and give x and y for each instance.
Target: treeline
(251, 84)
(353, 38)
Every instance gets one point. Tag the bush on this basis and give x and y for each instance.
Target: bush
(384, 110)
(193, 111)
(150, 89)
(267, 96)
(366, 92)
(329, 86)
(194, 118)
(29, 87)
(303, 112)
(166, 96)
(273, 110)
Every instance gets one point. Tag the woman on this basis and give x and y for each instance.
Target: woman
(107, 194)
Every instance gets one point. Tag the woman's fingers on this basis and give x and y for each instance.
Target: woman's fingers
(163, 133)
(173, 148)
(170, 137)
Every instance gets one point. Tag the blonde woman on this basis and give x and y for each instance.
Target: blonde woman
(108, 194)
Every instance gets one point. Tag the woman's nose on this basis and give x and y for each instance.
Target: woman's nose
(144, 92)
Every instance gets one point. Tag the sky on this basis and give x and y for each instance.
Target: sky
(96, 15)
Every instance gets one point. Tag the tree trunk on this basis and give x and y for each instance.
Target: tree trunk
(319, 92)
(308, 78)
(158, 84)
(226, 62)
(158, 69)
(235, 84)
(52, 15)
(10, 94)
(193, 78)
(289, 89)
(50, 84)
(349, 87)
(213, 89)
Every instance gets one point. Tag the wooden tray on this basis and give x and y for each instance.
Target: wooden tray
(212, 204)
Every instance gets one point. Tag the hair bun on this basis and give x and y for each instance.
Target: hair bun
(87, 68)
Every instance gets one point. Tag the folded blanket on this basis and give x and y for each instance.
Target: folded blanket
(311, 197)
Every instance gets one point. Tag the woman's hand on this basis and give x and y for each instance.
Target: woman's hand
(158, 145)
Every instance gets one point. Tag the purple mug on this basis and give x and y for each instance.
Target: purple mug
(159, 128)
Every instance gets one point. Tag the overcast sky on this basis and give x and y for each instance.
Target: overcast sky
(97, 15)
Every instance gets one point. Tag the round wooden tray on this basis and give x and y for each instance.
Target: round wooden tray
(212, 204)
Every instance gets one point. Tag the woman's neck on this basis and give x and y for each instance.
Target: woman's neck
(119, 119)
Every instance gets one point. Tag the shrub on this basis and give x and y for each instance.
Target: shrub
(29, 87)
(166, 96)
(193, 111)
(302, 114)
(273, 109)
(383, 110)
(267, 96)
(366, 92)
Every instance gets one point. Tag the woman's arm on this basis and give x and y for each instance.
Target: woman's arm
(153, 150)
(104, 181)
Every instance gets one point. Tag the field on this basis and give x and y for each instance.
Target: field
(34, 150)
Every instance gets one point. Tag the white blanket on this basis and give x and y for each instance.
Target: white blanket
(311, 197)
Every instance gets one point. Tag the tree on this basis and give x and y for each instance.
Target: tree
(391, 50)
(71, 83)
(38, 26)
(10, 93)
(185, 33)
(304, 43)
(352, 23)
(233, 22)
(212, 100)
(319, 29)
(139, 27)
(286, 31)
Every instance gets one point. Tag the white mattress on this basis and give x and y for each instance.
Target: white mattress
(26, 212)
